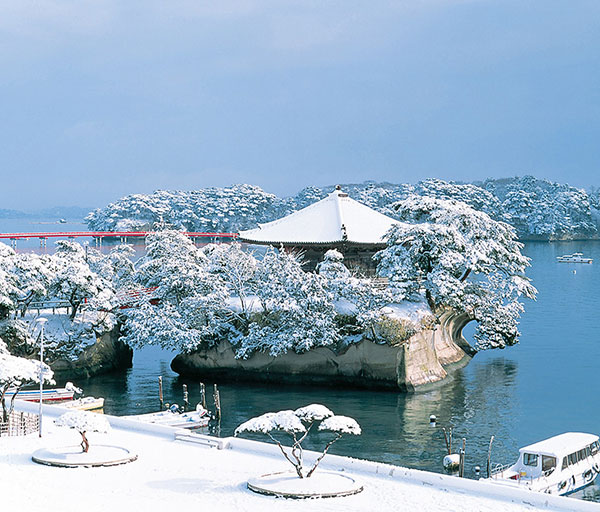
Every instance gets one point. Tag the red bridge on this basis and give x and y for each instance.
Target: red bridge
(99, 235)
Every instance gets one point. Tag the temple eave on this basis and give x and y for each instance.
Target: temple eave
(328, 244)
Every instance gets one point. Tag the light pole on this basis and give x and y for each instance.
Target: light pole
(41, 321)
(85, 245)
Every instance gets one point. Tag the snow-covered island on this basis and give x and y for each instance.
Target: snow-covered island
(446, 264)
(75, 291)
(231, 313)
(538, 209)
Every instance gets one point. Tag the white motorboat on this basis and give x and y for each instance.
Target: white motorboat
(174, 418)
(576, 257)
(88, 403)
(561, 465)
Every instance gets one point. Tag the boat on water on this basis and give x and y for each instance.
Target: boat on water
(88, 403)
(560, 465)
(172, 417)
(48, 395)
(576, 257)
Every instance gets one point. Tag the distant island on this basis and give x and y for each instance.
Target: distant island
(68, 212)
(538, 209)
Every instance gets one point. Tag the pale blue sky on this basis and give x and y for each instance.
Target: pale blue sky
(103, 98)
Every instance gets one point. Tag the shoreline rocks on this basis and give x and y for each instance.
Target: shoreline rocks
(422, 361)
(106, 355)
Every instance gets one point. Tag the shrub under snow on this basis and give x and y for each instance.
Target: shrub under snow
(83, 422)
(297, 424)
(15, 372)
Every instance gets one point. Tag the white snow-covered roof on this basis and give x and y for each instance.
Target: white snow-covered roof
(562, 444)
(334, 219)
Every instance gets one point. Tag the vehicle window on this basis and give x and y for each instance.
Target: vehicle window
(530, 459)
(581, 455)
(565, 463)
(572, 459)
(548, 462)
(594, 448)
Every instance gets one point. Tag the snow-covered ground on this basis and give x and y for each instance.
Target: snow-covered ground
(178, 475)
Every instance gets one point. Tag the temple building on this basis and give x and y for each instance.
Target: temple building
(335, 222)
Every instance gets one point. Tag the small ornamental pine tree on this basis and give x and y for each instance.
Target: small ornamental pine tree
(84, 422)
(298, 424)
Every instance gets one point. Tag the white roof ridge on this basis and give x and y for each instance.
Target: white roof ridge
(336, 218)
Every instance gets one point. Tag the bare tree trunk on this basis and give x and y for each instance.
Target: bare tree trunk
(465, 275)
(84, 444)
(323, 454)
(3, 402)
(297, 466)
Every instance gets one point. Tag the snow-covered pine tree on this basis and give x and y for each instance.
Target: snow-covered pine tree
(353, 296)
(237, 269)
(15, 372)
(459, 258)
(190, 302)
(297, 311)
(72, 279)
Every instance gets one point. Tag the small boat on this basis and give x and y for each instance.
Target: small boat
(88, 403)
(48, 395)
(173, 418)
(560, 465)
(576, 257)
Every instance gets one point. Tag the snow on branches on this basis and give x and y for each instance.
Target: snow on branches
(211, 209)
(297, 311)
(15, 372)
(537, 208)
(460, 258)
(189, 302)
(352, 296)
(297, 424)
(84, 422)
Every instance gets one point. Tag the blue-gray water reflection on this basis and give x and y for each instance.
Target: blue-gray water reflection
(543, 386)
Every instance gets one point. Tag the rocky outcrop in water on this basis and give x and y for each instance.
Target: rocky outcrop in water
(106, 355)
(421, 361)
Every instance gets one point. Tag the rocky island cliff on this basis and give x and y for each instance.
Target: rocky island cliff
(425, 358)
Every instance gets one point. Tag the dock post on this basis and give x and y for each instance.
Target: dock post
(489, 457)
(448, 439)
(217, 403)
(203, 395)
(160, 393)
(461, 465)
(186, 400)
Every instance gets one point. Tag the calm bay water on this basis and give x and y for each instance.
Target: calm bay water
(545, 385)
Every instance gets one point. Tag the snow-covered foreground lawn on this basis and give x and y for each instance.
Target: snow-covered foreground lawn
(179, 475)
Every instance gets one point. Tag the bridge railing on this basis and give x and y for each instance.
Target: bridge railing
(108, 234)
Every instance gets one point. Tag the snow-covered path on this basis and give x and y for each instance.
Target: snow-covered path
(173, 475)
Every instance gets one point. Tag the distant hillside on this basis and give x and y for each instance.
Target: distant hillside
(12, 214)
(58, 212)
(538, 209)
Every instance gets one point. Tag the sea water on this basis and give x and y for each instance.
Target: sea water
(543, 386)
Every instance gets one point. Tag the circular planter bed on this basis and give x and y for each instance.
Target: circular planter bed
(73, 457)
(322, 484)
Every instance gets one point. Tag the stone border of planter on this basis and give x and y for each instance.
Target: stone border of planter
(73, 457)
(323, 484)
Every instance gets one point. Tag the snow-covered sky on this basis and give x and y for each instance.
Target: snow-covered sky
(101, 98)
